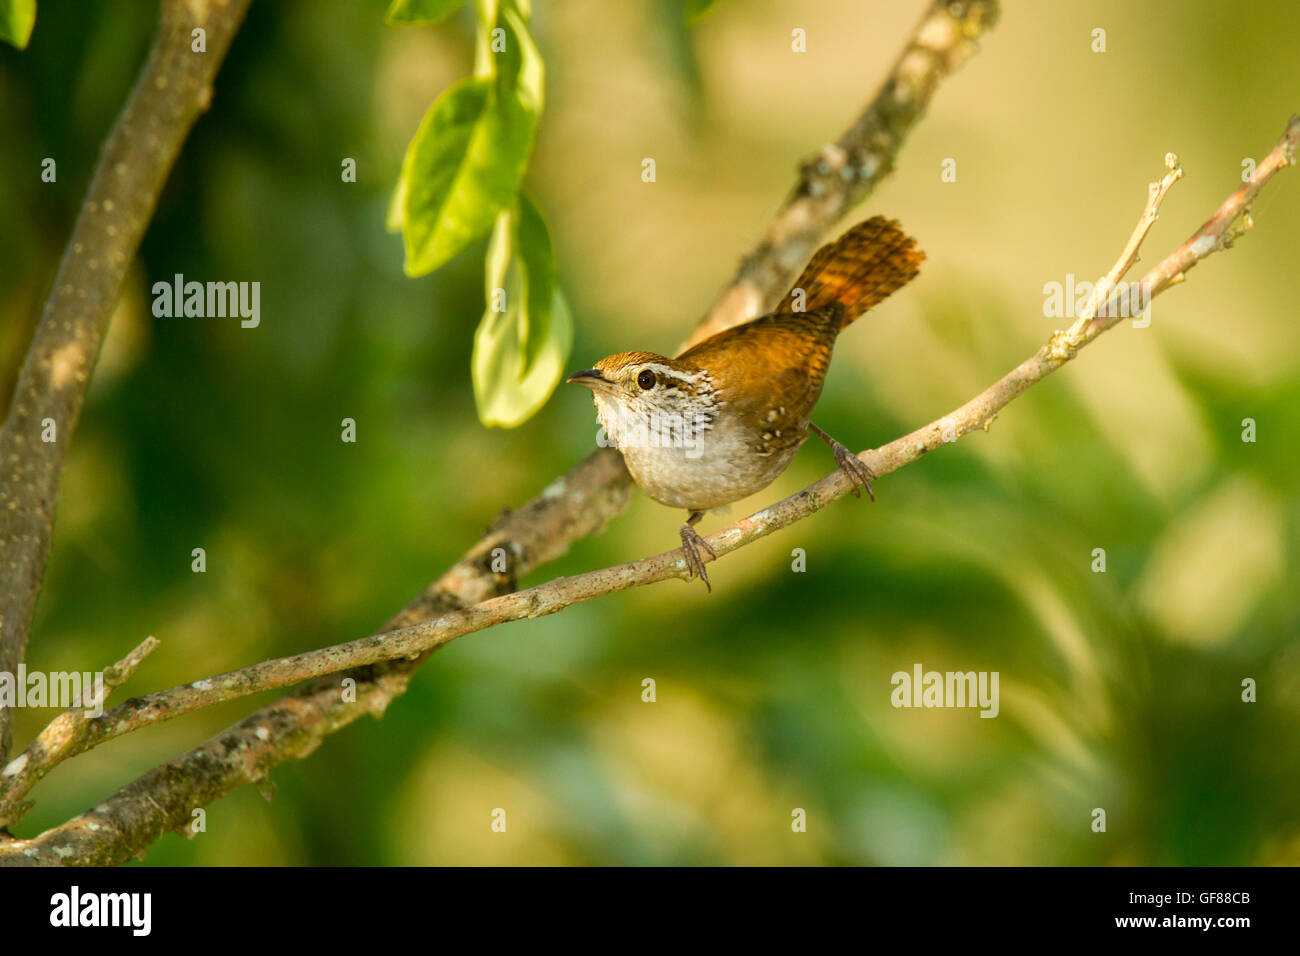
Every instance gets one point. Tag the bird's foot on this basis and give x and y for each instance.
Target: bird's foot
(859, 471)
(692, 545)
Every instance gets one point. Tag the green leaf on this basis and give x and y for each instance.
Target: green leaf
(533, 246)
(527, 80)
(468, 157)
(395, 218)
(520, 353)
(17, 17)
(439, 215)
(421, 11)
(486, 13)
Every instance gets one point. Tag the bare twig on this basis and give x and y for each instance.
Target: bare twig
(1229, 222)
(1156, 193)
(79, 841)
(174, 87)
(65, 735)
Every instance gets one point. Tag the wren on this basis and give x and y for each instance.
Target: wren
(724, 419)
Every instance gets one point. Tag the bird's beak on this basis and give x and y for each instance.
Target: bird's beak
(592, 378)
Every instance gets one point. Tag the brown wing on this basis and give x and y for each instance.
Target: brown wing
(858, 270)
(775, 367)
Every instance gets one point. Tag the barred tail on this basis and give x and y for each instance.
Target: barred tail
(858, 270)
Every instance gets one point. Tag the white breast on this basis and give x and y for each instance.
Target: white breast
(695, 470)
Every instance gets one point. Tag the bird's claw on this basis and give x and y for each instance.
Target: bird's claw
(859, 471)
(692, 545)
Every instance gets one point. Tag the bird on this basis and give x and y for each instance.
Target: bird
(723, 419)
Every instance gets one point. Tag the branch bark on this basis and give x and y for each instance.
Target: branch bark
(79, 841)
(174, 87)
(576, 505)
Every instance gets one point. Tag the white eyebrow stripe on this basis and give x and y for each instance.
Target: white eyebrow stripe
(675, 373)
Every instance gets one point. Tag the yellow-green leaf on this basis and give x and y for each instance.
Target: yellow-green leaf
(466, 161)
(17, 17)
(519, 352)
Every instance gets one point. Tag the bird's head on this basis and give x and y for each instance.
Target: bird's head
(636, 386)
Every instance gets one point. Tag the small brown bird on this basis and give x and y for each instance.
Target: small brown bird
(722, 420)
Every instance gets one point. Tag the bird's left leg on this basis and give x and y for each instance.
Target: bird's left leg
(692, 544)
(853, 466)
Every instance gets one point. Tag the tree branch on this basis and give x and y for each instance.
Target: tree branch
(65, 736)
(174, 87)
(78, 841)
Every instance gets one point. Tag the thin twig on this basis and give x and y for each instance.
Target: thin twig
(1156, 192)
(65, 735)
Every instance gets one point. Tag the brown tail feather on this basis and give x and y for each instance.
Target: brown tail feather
(858, 270)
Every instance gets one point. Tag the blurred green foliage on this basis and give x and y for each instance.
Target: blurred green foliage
(1120, 690)
(421, 11)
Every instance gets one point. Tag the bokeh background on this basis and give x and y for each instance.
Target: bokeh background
(1120, 690)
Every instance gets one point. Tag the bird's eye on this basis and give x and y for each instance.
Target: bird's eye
(646, 379)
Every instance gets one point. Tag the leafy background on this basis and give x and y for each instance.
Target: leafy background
(1119, 690)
